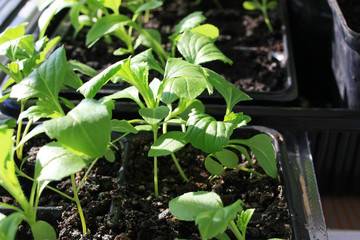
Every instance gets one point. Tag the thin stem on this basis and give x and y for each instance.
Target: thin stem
(179, 168)
(235, 230)
(18, 134)
(27, 128)
(156, 187)
(267, 20)
(122, 136)
(86, 174)
(13, 76)
(249, 170)
(76, 199)
(21, 174)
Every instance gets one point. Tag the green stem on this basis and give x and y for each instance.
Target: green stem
(156, 187)
(86, 174)
(122, 136)
(18, 134)
(267, 20)
(179, 168)
(13, 76)
(249, 170)
(235, 230)
(77, 201)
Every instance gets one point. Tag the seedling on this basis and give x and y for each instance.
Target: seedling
(212, 218)
(171, 99)
(264, 6)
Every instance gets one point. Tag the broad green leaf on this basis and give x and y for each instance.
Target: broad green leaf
(129, 92)
(185, 80)
(154, 115)
(191, 104)
(20, 48)
(207, 30)
(144, 40)
(149, 6)
(85, 130)
(9, 122)
(9, 225)
(106, 25)
(54, 162)
(207, 134)
(82, 68)
(230, 93)
(214, 222)
(42, 230)
(42, 109)
(72, 79)
(191, 21)
(122, 126)
(8, 178)
(113, 5)
(189, 205)
(244, 219)
(44, 82)
(214, 167)
(12, 33)
(240, 118)
(198, 49)
(228, 158)
(263, 150)
(167, 143)
(110, 155)
(147, 57)
(90, 88)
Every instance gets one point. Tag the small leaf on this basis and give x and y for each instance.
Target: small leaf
(244, 219)
(129, 92)
(189, 205)
(54, 162)
(106, 25)
(272, 5)
(85, 130)
(154, 116)
(207, 30)
(109, 155)
(231, 94)
(207, 134)
(147, 57)
(214, 222)
(146, 128)
(214, 167)
(12, 33)
(228, 158)
(167, 143)
(191, 21)
(198, 49)
(90, 88)
(82, 68)
(9, 225)
(113, 5)
(122, 126)
(42, 230)
(36, 131)
(264, 152)
(149, 6)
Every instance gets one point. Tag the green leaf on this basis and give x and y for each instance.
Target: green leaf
(74, 15)
(263, 149)
(110, 155)
(106, 25)
(154, 115)
(149, 6)
(90, 88)
(189, 205)
(198, 49)
(42, 109)
(20, 48)
(147, 57)
(146, 128)
(122, 126)
(129, 92)
(36, 131)
(12, 33)
(54, 162)
(85, 130)
(42, 230)
(9, 122)
(167, 143)
(113, 5)
(191, 21)
(182, 80)
(8, 178)
(214, 222)
(230, 93)
(44, 82)
(272, 5)
(214, 167)
(207, 30)
(207, 134)
(228, 158)
(9, 225)
(191, 104)
(251, 5)
(244, 219)
(82, 68)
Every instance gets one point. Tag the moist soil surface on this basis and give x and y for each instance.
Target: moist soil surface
(136, 214)
(257, 54)
(351, 12)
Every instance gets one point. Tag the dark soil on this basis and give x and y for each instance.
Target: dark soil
(136, 214)
(258, 55)
(351, 12)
